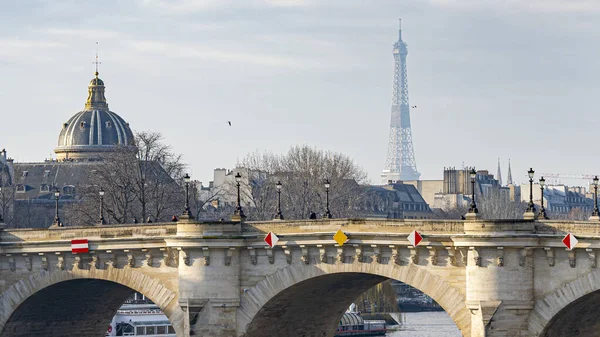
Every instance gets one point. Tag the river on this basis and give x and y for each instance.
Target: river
(427, 324)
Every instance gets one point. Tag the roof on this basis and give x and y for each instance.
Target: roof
(39, 180)
(95, 127)
(350, 319)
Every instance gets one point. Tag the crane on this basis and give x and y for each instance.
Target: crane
(555, 178)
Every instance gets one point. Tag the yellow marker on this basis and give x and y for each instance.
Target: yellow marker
(340, 237)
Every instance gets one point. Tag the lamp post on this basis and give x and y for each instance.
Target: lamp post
(101, 193)
(542, 209)
(595, 212)
(327, 212)
(473, 208)
(186, 211)
(239, 212)
(279, 216)
(530, 206)
(56, 218)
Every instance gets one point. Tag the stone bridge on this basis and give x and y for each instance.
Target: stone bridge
(494, 278)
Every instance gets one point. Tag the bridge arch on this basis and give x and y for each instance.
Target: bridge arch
(270, 301)
(24, 296)
(571, 310)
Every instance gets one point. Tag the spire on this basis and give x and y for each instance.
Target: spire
(499, 176)
(509, 177)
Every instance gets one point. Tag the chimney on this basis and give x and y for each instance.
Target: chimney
(3, 157)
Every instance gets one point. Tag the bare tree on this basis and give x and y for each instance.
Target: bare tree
(138, 184)
(302, 171)
(498, 206)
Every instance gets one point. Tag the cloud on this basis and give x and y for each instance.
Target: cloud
(197, 52)
(191, 6)
(85, 33)
(25, 50)
(536, 6)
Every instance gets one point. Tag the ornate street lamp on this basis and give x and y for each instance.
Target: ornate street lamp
(473, 207)
(56, 218)
(101, 193)
(530, 206)
(186, 211)
(327, 212)
(595, 212)
(239, 212)
(279, 216)
(542, 209)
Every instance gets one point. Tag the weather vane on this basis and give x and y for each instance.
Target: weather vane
(97, 63)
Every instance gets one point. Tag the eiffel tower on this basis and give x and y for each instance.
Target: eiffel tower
(400, 163)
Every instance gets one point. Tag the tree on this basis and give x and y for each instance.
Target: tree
(139, 183)
(379, 299)
(498, 206)
(302, 171)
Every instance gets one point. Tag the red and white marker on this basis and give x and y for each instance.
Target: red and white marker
(415, 238)
(570, 241)
(271, 239)
(79, 246)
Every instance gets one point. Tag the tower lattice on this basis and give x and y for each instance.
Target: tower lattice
(400, 163)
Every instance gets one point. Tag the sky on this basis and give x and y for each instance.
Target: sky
(491, 79)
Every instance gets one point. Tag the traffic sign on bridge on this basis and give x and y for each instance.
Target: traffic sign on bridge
(271, 239)
(570, 241)
(79, 246)
(415, 238)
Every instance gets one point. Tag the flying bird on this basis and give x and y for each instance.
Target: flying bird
(413, 106)
(229, 122)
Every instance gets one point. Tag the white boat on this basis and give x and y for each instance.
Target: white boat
(352, 324)
(138, 316)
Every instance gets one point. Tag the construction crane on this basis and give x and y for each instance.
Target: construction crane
(555, 178)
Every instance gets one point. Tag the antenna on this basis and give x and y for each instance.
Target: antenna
(400, 29)
(97, 63)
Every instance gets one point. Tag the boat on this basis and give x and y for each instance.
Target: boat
(139, 316)
(352, 324)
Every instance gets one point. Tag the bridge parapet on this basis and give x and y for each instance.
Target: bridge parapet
(354, 226)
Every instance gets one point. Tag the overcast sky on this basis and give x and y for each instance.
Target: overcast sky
(490, 79)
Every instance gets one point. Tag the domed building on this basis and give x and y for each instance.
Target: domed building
(95, 130)
(28, 189)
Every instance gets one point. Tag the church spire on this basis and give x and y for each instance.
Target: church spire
(509, 177)
(499, 176)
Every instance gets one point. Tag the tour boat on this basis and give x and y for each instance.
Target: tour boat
(138, 316)
(352, 324)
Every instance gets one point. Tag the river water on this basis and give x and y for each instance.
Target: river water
(427, 324)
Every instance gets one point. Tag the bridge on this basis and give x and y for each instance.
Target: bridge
(493, 278)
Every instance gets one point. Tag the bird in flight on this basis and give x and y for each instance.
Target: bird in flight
(229, 122)
(413, 106)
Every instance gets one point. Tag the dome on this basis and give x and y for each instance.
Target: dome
(94, 130)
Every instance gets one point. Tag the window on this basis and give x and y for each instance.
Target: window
(150, 330)
(69, 190)
(161, 330)
(140, 330)
(20, 188)
(171, 330)
(45, 188)
(108, 124)
(82, 124)
(25, 173)
(46, 173)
